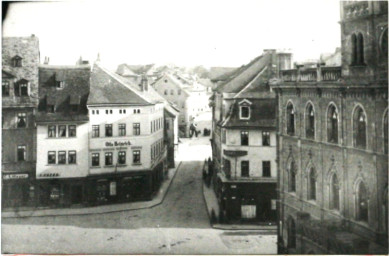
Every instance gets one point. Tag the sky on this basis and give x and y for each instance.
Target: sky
(226, 33)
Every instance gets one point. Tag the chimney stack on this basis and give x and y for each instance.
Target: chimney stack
(144, 83)
(47, 60)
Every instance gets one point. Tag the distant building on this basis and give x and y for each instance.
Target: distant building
(333, 143)
(244, 142)
(62, 134)
(127, 153)
(135, 72)
(20, 60)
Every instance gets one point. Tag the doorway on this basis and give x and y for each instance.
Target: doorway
(76, 194)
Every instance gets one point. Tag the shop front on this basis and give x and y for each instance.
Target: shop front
(18, 190)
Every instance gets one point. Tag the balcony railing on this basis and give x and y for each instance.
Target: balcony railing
(311, 74)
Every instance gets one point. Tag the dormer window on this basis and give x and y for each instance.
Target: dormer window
(50, 108)
(244, 109)
(21, 88)
(60, 85)
(17, 61)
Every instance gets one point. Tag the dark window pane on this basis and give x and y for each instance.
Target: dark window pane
(62, 131)
(266, 169)
(122, 157)
(72, 159)
(136, 156)
(245, 169)
(95, 159)
(72, 131)
(51, 157)
(266, 138)
(61, 157)
(108, 130)
(108, 158)
(244, 138)
(21, 153)
(52, 131)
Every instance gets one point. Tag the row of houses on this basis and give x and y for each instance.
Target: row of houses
(79, 135)
(308, 146)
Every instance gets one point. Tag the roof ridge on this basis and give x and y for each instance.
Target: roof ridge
(113, 75)
(250, 83)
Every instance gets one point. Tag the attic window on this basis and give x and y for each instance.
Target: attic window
(17, 61)
(60, 84)
(50, 108)
(244, 112)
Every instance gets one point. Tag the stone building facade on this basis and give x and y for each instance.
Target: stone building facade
(20, 60)
(333, 144)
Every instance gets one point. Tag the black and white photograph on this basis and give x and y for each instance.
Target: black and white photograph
(176, 127)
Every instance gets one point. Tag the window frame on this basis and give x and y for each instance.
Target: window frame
(95, 159)
(122, 157)
(59, 131)
(312, 184)
(51, 131)
(19, 117)
(136, 129)
(290, 119)
(61, 157)
(245, 168)
(122, 129)
(266, 134)
(95, 132)
(244, 135)
(332, 126)
(310, 121)
(51, 157)
(241, 112)
(72, 128)
(136, 157)
(108, 130)
(359, 128)
(72, 153)
(5, 86)
(108, 159)
(268, 174)
(24, 148)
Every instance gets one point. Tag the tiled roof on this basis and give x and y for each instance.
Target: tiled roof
(220, 73)
(241, 77)
(75, 92)
(262, 115)
(110, 88)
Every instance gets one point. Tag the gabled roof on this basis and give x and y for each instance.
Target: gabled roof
(110, 88)
(245, 75)
(172, 79)
(130, 70)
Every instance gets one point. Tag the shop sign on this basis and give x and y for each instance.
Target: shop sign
(49, 175)
(117, 143)
(15, 176)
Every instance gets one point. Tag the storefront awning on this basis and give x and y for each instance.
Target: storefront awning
(234, 153)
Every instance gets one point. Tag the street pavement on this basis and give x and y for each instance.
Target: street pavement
(180, 225)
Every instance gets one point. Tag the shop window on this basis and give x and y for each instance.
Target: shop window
(386, 132)
(359, 125)
(362, 202)
(248, 210)
(54, 193)
(21, 153)
(21, 120)
(95, 131)
(108, 159)
(51, 133)
(108, 130)
(292, 177)
(72, 157)
(265, 138)
(101, 190)
(5, 88)
(309, 122)
(17, 61)
(51, 157)
(61, 130)
(72, 131)
(122, 129)
(136, 127)
(122, 157)
(245, 168)
(266, 169)
(136, 157)
(332, 124)
(112, 188)
(334, 192)
(290, 119)
(95, 159)
(312, 184)
(61, 157)
(244, 138)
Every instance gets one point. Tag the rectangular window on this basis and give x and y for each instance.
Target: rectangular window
(265, 138)
(93, 112)
(122, 157)
(61, 157)
(51, 133)
(51, 157)
(22, 120)
(95, 131)
(72, 157)
(24, 89)
(227, 167)
(106, 111)
(95, 159)
(136, 157)
(266, 169)
(61, 130)
(244, 138)
(72, 131)
(21, 153)
(108, 158)
(108, 130)
(60, 84)
(122, 129)
(5, 88)
(124, 111)
(245, 168)
(244, 112)
(112, 188)
(137, 129)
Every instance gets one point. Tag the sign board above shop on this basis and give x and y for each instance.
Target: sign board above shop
(17, 176)
(117, 143)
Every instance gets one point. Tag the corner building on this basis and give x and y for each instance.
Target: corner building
(333, 144)
(127, 155)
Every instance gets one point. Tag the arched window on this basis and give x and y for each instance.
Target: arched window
(354, 58)
(332, 124)
(290, 119)
(312, 184)
(291, 229)
(362, 202)
(360, 48)
(359, 122)
(386, 132)
(292, 177)
(309, 122)
(334, 192)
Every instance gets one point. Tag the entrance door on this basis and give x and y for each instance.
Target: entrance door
(76, 194)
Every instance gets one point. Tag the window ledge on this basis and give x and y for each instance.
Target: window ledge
(95, 167)
(122, 165)
(137, 164)
(109, 165)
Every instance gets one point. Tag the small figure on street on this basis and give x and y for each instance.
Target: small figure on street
(193, 130)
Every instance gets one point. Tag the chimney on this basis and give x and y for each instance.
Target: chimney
(79, 62)
(47, 60)
(144, 83)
